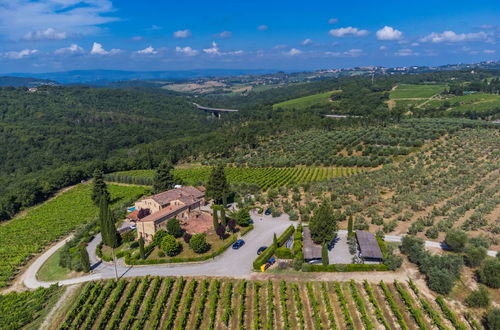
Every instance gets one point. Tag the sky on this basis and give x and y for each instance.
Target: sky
(60, 35)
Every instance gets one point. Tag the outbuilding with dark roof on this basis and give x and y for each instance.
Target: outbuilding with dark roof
(368, 246)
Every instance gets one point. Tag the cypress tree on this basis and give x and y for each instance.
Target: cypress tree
(223, 219)
(217, 185)
(163, 178)
(108, 229)
(349, 226)
(100, 189)
(142, 252)
(275, 241)
(324, 255)
(84, 258)
(103, 215)
(214, 217)
(323, 224)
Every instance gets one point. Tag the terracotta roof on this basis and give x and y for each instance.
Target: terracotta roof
(368, 245)
(134, 215)
(163, 213)
(198, 222)
(186, 194)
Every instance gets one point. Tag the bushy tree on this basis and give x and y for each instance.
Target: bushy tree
(199, 243)
(174, 227)
(99, 188)
(489, 272)
(163, 178)
(456, 239)
(493, 319)
(84, 259)
(170, 245)
(158, 237)
(323, 224)
(479, 298)
(440, 280)
(142, 252)
(475, 255)
(217, 185)
(220, 231)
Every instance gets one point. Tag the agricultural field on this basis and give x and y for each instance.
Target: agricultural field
(305, 102)
(480, 104)
(409, 91)
(35, 229)
(360, 146)
(452, 183)
(264, 178)
(187, 303)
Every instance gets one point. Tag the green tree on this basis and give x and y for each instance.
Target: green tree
(349, 227)
(242, 217)
(163, 178)
(223, 219)
(324, 255)
(142, 252)
(215, 218)
(440, 280)
(159, 236)
(99, 189)
(275, 241)
(174, 227)
(489, 272)
(323, 224)
(84, 259)
(170, 245)
(199, 243)
(107, 223)
(479, 298)
(456, 239)
(493, 319)
(475, 255)
(217, 185)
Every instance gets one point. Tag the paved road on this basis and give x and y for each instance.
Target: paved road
(232, 263)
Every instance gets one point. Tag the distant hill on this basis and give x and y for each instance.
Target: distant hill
(24, 81)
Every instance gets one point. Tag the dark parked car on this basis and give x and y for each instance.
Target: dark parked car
(239, 243)
(268, 211)
(261, 249)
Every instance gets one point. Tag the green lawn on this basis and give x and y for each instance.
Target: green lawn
(306, 101)
(51, 271)
(31, 233)
(416, 91)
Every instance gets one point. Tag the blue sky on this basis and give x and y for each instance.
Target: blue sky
(58, 35)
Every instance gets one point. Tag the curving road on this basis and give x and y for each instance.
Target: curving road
(231, 263)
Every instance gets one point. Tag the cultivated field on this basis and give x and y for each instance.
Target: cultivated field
(264, 178)
(30, 233)
(408, 91)
(306, 101)
(185, 303)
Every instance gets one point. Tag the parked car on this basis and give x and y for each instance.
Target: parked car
(315, 262)
(261, 249)
(268, 211)
(239, 243)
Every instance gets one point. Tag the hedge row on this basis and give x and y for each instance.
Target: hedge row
(344, 268)
(269, 252)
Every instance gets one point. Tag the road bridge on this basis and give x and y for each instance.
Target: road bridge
(216, 112)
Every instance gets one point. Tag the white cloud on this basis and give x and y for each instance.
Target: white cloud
(280, 46)
(389, 33)
(353, 52)
(294, 51)
(262, 27)
(20, 54)
(451, 36)
(489, 51)
(415, 44)
(73, 49)
(333, 53)
(48, 34)
(348, 31)
(382, 48)
(224, 34)
(181, 34)
(332, 21)
(97, 49)
(37, 19)
(137, 38)
(307, 42)
(147, 51)
(406, 52)
(215, 50)
(186, 50)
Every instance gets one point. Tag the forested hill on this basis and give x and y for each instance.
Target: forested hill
(57, 135)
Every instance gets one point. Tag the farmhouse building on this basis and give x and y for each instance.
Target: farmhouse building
(368, 246)
(184, 203)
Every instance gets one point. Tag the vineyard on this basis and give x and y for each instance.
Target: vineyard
(30, 233)
(186, 303)
(265, 178)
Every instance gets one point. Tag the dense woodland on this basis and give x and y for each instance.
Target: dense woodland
(58, 135)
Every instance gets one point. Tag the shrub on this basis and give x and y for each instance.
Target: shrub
(242, 217)
(440, 280)
(199, 243)
(343, 268)
(489, 272)
(187, 237)
(478, 298)
(493, 319)
(170, 245)
(283, 253)
(456, 240)
(159, 237)
(174, 227)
